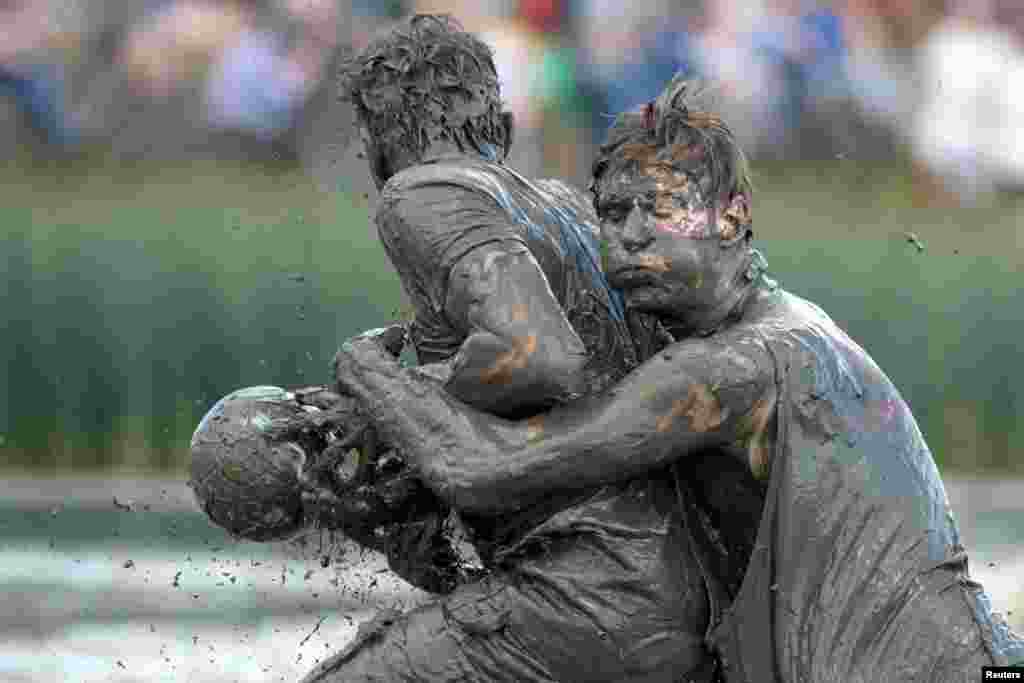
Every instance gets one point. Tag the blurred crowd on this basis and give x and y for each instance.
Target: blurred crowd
(166, 78)
(858, 79)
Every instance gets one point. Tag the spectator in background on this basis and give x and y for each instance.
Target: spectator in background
(28, 74)
(520, 46)
(178, 42)
(259, 80)
(369, 16)
(968, 131)
(557, 111)
(777, 61)
(802, 47)
(629, 54)
(1010, 15)
(724, 53)
(518, 54)
(883, 36)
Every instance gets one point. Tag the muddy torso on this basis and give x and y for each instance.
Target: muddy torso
(856, 571)
(455, 204)
(606, 567)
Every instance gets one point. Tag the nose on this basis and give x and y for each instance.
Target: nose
(636, 230)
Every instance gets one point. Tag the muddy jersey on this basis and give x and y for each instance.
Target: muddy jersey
(432, 215)
(604, 571)
(856, 571)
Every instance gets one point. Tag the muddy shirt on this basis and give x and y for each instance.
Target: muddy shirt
(604, 571)
(856, 572)
(433, 214)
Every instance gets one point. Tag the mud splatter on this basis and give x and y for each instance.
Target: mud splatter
(535, 428)
(700, 407)
(657, 263)
(516, 359)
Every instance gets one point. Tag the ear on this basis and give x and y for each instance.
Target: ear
(735, 220)
(508, 123)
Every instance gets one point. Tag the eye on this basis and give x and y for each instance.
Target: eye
(613, 214)
(649, 205)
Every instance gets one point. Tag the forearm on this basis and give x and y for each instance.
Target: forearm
(484, 464)
(412, 409)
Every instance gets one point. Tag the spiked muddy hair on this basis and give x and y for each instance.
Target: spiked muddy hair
(427, 80)
(671, 129)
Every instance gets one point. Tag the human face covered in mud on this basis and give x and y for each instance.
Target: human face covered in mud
(783, 444)
(672, 246)
(672, 192)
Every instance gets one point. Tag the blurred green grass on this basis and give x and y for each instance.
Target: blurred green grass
(136, 295)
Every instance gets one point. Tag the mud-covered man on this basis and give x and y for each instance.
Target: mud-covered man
(513, 315)
(817, 512)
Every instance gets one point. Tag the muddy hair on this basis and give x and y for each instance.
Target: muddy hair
(672, 129)
(428, 80)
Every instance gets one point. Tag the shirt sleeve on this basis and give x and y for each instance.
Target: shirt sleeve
(425, 230)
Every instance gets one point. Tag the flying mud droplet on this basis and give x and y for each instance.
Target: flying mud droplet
(912, 238)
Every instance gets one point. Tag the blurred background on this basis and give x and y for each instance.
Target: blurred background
(179, 218)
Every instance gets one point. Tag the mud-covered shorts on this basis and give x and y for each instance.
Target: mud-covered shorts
(612, 596)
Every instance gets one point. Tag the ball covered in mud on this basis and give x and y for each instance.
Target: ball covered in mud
(247, 463)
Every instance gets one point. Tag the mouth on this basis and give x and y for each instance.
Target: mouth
(631, 277)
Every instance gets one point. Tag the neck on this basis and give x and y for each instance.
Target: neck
(444, 147)
(727, 310)
(707, 322)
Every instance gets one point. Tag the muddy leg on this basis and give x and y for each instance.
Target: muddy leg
(463, 637)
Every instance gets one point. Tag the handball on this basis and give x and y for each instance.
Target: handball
(268, 463)
(248, 457)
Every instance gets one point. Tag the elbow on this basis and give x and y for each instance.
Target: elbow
(523, 376)
(539, 384)
(555, 363)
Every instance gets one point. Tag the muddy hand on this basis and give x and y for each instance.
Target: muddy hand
(377, 348)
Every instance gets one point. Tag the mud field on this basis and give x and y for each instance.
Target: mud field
(123, 581)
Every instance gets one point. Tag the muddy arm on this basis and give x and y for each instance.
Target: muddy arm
(520, 350)
(483, 304)
(694, 395)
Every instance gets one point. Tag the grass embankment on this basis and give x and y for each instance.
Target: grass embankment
(136, 296)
